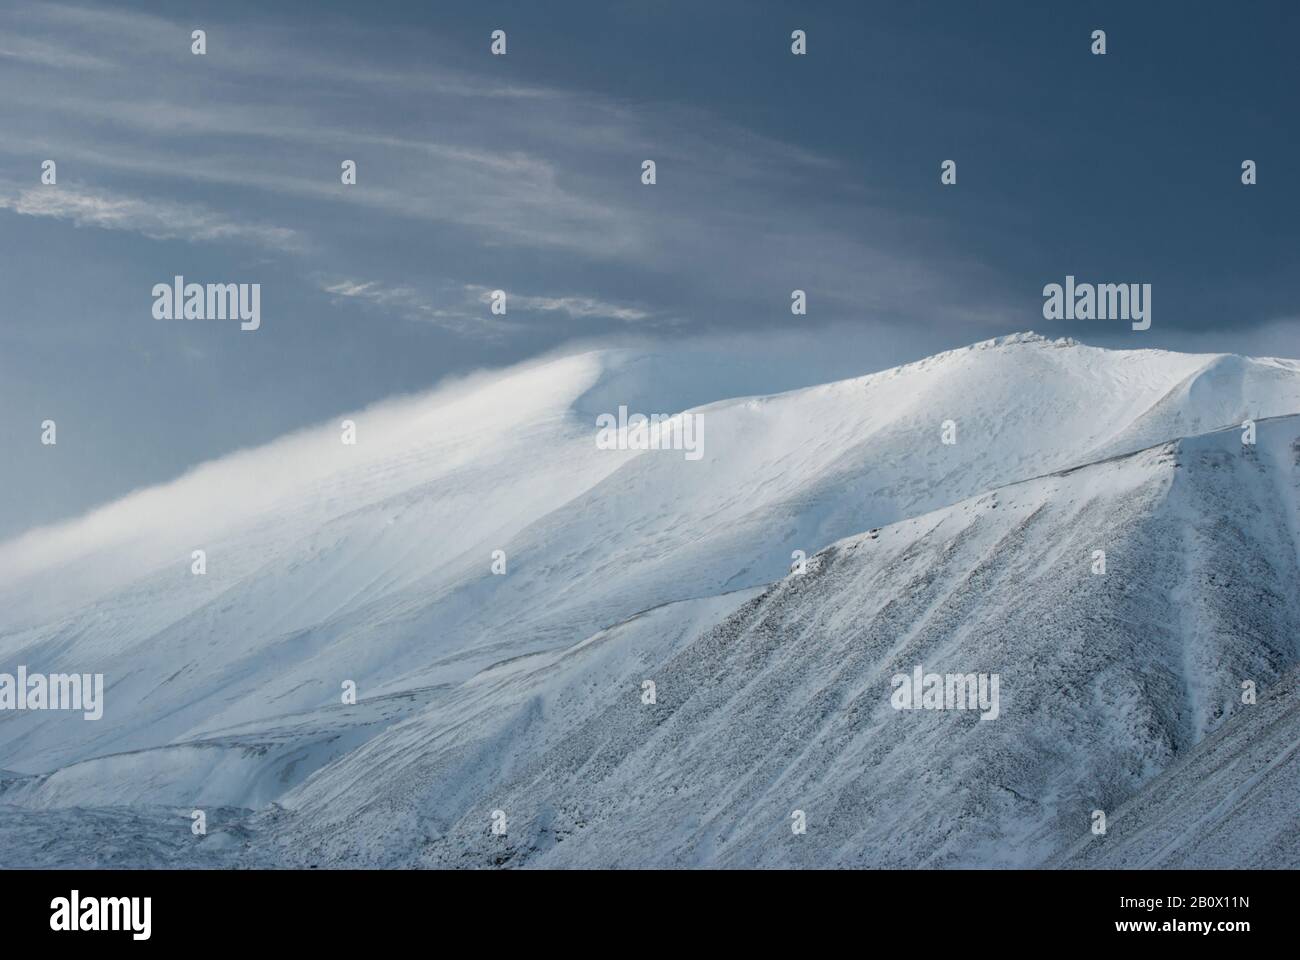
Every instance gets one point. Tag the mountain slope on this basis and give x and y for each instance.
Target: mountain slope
(1230, 803)
(371, 563)
(785, 704)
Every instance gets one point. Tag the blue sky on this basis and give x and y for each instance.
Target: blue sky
(522, 172)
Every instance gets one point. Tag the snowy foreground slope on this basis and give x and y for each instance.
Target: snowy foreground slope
(522, 693)
(1231, 802)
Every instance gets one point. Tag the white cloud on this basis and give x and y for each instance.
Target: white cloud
(470, 313)
(574, 306)
(159, 220)
(532, 179)
(31, 50)
(459, 317)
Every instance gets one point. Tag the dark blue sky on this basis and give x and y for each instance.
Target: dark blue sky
(522, 172)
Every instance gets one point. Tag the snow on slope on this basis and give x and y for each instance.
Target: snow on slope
(371, 563)
(784, 705)
(307, 543)
(801, 469)
(1230, 803)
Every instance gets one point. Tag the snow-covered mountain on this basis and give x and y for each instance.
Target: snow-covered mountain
(520, 692)
(785, 705)
(1230, 802)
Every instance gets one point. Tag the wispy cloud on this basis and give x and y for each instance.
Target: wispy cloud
(467, 310)
(126, 36)
(156, 219)
(31, 50)
(552, 183)
(539, 187)
(573, 306)
(457, 315)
